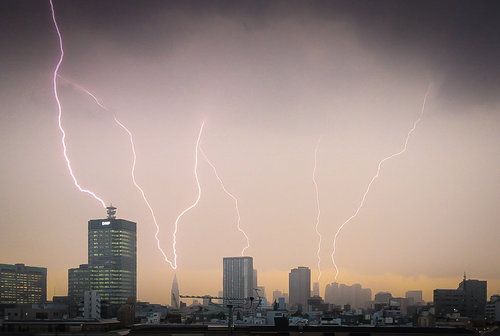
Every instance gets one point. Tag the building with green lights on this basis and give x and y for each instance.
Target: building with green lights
(112, 259)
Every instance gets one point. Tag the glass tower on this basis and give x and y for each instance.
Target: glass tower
(112, 258)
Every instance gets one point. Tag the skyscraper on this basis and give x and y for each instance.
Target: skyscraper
(299, 287)
(22, 284)
(238, 277)
(78, 284)
(174, 294)
(112, 257)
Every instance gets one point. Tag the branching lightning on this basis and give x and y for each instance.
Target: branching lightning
(318, 209)
(176, 226)
(134, 161)
(361, 204)
(59, 107)
(238, 217)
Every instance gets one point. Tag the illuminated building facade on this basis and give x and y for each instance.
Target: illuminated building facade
(112, 258)
(22, 284)
(78, 284)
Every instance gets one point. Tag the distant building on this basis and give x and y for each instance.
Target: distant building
(415, 297)
(263, 296)
(356, 296)
(299, 287)
(112, 257)
(315, 290)
(174, 294)
(91, 305)
(277, 294)
(383, 297)
(401, 303)
(238, 277)
(22, 284)
(255, 280)
(78, 283)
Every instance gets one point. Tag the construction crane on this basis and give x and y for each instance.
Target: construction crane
(231, 303)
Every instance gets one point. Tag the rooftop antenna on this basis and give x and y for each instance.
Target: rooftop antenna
(111, 211)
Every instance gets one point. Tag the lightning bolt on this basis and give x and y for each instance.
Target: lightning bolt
(176, 225)
(134, 161)
(318, 209)
(361, 204)
(238, 217)
(59, 107)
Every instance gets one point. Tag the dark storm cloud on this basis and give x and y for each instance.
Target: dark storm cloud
(459, 40)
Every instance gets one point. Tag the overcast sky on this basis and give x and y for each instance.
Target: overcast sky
(268, 78)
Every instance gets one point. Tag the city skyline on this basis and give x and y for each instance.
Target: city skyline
(266, 81)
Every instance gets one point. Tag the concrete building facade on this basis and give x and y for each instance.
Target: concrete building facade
(238, 277)
(299, 287)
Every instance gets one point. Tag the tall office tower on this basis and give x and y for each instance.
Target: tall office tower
(78, 284)
(174, 294)
(475, 297)
(414, 297)
(112, 253)
(22, 284)
(366, 298)
(315, 291)
(299, 287)
(238, 277)
(255, 283)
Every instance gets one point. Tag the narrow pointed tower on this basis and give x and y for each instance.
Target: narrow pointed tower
(174, 294)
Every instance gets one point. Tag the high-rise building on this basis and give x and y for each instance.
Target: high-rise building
(299, 287)
(112, 258)
(255, 283)
(315, 290)
(174, 294)
(78, 283)
(22, 284)
(475, 297)
(238, 277)
(414, 297)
